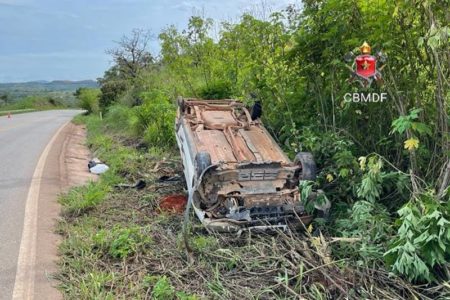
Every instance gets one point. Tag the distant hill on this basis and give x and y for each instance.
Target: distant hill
(60, 88)
(56, 85)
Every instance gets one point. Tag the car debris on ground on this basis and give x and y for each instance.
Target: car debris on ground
(139, 185)
(97, 167)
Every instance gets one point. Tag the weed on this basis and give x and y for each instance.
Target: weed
(366, 222)
(184, 296)
(81, 199)
(163, 289)
(204, 243)
(127, 241)
(423, 238)
(120, 242)
(95, 286)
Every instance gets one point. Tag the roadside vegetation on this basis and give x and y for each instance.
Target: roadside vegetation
(88, 99)
(32, 103)
(58, 89)
(384, 166)
(118, 243)
(30, 96)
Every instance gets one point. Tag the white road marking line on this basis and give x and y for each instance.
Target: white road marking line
(25, 273)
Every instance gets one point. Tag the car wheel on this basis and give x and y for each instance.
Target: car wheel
(307, 166)
(181, 104)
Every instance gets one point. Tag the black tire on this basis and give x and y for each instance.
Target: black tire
(202, 161)
(308, 167)
(181, 104)
(256, 110)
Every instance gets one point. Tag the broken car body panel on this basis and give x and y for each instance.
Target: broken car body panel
(237, 175)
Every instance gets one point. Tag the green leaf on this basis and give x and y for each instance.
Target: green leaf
(421, 128)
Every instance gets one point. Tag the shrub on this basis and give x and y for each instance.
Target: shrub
(367, 222)
(216, 90)
(118, 118)
(423, 238)
(154, 120)
(88, 99)
(111, 91)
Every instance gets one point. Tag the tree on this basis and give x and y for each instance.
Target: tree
(132, 56)
(4, 98)
(112, 86)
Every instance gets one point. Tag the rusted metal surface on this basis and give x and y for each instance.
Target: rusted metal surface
(227, 132)
(249, 181)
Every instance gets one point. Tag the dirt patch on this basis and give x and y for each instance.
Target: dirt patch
(74, 158)
(66, 166)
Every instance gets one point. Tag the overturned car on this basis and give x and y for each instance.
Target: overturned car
(237, 175)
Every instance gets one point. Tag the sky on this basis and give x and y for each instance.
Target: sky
(66, 40)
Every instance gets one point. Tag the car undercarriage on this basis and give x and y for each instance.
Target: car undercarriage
(237, 175)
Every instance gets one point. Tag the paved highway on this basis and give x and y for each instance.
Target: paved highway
(23, 138)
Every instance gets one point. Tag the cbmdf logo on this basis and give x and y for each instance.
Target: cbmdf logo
(365, 67)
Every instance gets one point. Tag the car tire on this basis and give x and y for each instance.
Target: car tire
(181, 104)
(308, 167)
(202, 161)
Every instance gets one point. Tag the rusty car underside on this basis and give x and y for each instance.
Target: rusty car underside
(237, 175)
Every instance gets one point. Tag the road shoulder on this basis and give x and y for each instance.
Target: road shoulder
(66, 166)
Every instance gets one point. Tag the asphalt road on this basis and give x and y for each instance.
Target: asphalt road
(23, 137)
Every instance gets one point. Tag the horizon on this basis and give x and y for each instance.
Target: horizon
(49, 81)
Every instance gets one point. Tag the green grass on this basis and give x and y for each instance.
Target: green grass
(80, 199)
(123, 242)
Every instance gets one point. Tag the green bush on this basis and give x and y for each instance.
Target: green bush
(118, 118)
(369, 223)
(154, 120)
(422, 243)
(216, 90)
(88, 99)
(111, 90)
